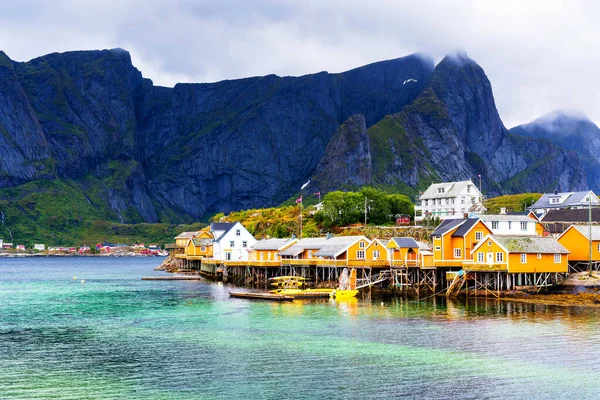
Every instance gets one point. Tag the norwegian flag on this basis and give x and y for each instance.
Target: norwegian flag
(299, 200)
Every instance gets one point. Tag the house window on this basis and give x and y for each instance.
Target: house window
(376, 244)
(452, 200)
(228, 256)
(598, 247)
(509, 225)
(244, 244)
(539, 256)
(468, 188)
(238, 232)
(360, 254)
(441, 190)
(457, 253)
(376, 254)
(310, 253)
(494, 224)
(489, 242)
(472, 200)
(262, 256)
(555, 200)
(499, 257)
(478, 235)
(480, 257)
(447, 201)
(523, 226)
(361, 245)
(231, 244)
(437, 237)
(203, 249)
(438, 248)
(557, 259)
(269, 256)
(425, 202)
(523, 258)
(462, 200)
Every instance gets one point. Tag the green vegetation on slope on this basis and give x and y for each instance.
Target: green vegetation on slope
(512, 202)
(54, 212)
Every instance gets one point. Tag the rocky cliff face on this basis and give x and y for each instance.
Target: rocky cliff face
(148, 153)
(574, 133)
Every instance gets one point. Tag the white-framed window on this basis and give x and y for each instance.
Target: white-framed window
(244, 244)
(231, 244)
(437, 237)
(203, 248)
(457, 253)
(557, 259)
(262, 256)
(494, 224)
(360, 254)
(555, 200)
(489, 242)
(499, 257)
(269, 256)
(478, 235)
(523, 258)
(228, 256)
(441, 190)
(539, 256)
(426, 202)
(438, 248)
(310, 253)
(376, 244)
(599, 247)
(472, 200)
(361, 245)
(376, 254)
(523, 226)
(509, 225)
(452, 200)
(468, 188)
(480, 257)
(238, 232)
(462, 200)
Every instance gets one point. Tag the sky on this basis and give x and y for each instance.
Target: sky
(540, 56)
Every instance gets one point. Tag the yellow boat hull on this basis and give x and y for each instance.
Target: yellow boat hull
(341, 294)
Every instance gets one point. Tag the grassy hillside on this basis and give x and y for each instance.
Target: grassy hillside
(512, 202)
(58, 213)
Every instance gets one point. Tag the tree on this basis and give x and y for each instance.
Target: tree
(400, 204)
(378, 208)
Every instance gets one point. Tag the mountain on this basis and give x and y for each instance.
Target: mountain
(85, 129)
(572, 132)
(452, 131)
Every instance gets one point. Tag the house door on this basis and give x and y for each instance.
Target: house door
(490, 257)
(228, 256)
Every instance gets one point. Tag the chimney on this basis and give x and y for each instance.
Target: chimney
(328, 235)
(555, 191)
(502, 210)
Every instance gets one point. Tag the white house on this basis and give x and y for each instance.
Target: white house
(39, 247)
(510, 224)
(557, 201)
(232, 241)
(449, 200)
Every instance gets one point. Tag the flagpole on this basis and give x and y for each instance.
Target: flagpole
(301, 206)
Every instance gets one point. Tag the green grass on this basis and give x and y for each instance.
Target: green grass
(512, 202)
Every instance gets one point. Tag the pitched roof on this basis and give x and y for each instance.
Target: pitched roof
(568, 199)
(337, 245)
(303, 244)
(466, 227)
(447, 225)
(579, 215)
(186, 235)
(530, 244)
(272, 244)
(202, 242)
(218, 226)
(451, 189)
(585, 231)
(406, 242)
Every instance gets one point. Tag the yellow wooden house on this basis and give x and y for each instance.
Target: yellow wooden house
(181, 240)
(376, 253)
(454, 239)
(269, 249)
(518, 254)
(577, 240)
(403, 252)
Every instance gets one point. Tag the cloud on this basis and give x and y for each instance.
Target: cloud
(539, 55)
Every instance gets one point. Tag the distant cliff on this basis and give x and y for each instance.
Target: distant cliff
(138, 152)
(576, 133)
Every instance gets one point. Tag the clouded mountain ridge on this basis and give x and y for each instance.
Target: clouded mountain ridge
(148, 153)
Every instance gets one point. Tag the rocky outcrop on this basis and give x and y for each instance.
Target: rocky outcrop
(347, 159)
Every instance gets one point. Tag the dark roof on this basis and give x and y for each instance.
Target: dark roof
(221, 226)
(572, 215)
(464, 228)
(406, 242)
(447, 225)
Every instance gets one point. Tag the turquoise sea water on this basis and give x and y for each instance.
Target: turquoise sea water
(117, 337)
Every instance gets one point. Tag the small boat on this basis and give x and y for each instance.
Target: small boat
(344, 294)
(261, 296)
